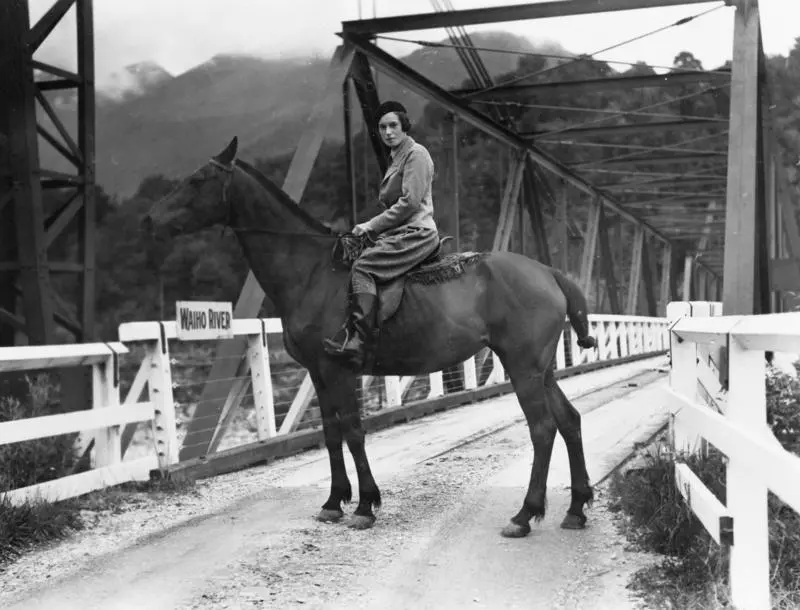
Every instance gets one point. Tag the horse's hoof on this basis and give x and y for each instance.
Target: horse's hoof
(515, 530)
(573, 522)
(360, 522)
(326, 515)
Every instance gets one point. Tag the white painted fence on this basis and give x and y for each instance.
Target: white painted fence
(103, 420)
(737, 426)
(618, 337)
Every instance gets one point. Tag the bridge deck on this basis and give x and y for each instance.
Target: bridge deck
(449, 482)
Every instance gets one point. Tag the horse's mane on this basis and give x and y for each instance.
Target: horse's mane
(283, 198)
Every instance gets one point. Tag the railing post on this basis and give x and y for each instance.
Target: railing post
(105, 393)
(437, 385)
(261, 378)
(746, 493)
(394, 395)
(165, 434)
(470, 374)
(682, 376)
(561, 353)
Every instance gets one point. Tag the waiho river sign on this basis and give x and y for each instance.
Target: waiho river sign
(199, 320)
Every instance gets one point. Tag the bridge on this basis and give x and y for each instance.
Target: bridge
(149, 404)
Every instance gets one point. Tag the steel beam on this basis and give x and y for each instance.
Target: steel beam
(650, 160)
(201, 428)
(500, 14)
(607, 262)
(594, 84)
(635, 278)
(627, 129)
(742, 240)
(590, 248)
(416, 82)
(20, 125)
(533, 202)
(368, 97)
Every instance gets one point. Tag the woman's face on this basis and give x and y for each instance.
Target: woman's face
(391, 132)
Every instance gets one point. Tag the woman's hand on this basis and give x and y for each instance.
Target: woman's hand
(360, 229)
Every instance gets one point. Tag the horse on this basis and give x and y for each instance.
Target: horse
(507, 302)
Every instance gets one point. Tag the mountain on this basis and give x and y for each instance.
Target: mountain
(156, 123)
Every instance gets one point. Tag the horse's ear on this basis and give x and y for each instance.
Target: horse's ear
(227, 156)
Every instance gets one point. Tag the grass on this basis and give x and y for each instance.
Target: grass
(22, 464)
(693, 570)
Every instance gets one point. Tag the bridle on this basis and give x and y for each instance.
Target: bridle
(342, 241)
(228, 169)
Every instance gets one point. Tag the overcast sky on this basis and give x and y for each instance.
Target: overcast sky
(179, 34)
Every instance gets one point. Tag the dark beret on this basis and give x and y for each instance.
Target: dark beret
(390, 106)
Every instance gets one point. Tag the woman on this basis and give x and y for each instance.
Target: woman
(406, 232)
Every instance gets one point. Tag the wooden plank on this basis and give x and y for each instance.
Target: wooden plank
(779, 332)
(739, 294)
(499, 14)
(292, 419)
(78, 484)
(712, 513)
(197, 440)
(32, 357)
(32, 428)
(746, 490)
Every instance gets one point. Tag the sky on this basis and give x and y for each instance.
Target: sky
(180, 34)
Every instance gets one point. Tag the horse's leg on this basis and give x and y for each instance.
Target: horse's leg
(341, 491)
(344, 384)
(528, 382)
(568, 420)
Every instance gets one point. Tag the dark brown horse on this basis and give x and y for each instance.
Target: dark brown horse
(510, 303)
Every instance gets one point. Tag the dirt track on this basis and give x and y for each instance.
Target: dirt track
(436, 543)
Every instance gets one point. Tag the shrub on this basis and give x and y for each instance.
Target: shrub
(694, 571)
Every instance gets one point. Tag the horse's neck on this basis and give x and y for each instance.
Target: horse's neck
(286, 265)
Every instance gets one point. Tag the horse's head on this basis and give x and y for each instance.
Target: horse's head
(198, 202)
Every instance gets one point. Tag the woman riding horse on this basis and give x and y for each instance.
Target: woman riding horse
(406, 230)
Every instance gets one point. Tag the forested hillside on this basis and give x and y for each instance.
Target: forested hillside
(210, 266)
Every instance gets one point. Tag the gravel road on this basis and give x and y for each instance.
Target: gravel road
(249, 540)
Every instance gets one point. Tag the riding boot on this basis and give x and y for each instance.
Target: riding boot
(360, 326)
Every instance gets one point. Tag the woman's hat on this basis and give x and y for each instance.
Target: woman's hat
(390, 106)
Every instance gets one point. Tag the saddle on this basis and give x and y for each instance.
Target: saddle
(435, 269)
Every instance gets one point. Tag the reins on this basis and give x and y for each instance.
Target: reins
(346, 248)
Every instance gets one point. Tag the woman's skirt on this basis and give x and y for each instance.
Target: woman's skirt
(396, 252)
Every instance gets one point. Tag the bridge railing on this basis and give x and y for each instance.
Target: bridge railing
(142, 398)
(102, 422)
(737, 426)
(272, 400)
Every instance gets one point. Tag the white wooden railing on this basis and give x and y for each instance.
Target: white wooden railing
(736, 424)
(618, 337)
(103, 420)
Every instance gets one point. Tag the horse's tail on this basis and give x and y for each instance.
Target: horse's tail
(576, 309)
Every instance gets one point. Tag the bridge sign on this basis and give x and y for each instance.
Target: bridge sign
(198, 320)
